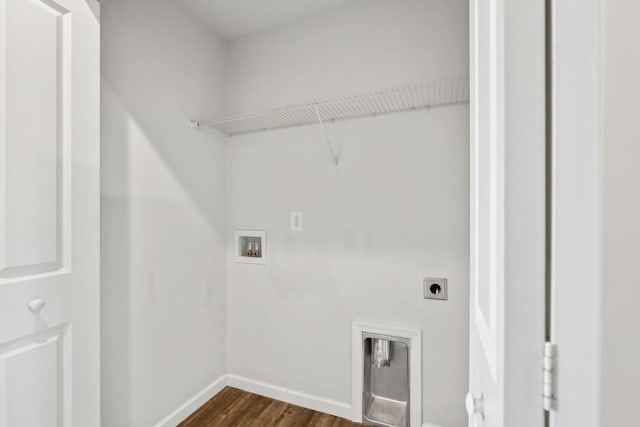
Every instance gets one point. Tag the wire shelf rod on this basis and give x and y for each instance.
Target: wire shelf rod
(418, 96)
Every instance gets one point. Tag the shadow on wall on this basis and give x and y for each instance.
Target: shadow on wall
(94, 6)
(115, 268)
(162, 79)
(191, 156)
(162, 229)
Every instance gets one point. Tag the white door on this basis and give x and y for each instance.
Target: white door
(49, 213)
(507, 271)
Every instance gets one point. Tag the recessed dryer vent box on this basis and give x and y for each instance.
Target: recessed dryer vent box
(251, 246)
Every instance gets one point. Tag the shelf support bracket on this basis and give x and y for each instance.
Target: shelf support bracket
(326, 136)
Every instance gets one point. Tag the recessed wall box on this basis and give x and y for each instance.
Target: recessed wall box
(251, 246)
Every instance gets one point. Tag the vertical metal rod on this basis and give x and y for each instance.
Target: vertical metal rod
(326, 136)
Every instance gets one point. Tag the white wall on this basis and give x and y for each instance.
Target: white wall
(369, 45)
(395, 211)
(621, 210)
(163, 256)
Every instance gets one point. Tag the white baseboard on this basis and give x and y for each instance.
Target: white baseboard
(191, 405)
(320, 404)
(316, 403)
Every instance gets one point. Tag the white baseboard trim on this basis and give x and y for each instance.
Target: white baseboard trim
(316, 403)
(320, 404)
(190, 406)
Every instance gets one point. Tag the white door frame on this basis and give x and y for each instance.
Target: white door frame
(576, 209)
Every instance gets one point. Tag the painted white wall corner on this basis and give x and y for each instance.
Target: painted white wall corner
(191, 405)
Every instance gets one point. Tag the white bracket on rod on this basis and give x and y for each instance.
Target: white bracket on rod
(199, 125)
(326, 136)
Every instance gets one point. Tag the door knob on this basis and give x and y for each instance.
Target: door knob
(474, 406)
(36, 305)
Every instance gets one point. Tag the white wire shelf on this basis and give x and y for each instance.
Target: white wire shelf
(419, 96)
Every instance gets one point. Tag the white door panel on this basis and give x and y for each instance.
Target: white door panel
(49, 213)
(507, 272)
(487, 215)
(34, 137)
(33, 370)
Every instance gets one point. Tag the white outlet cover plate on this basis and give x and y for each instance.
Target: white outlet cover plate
(296, 221)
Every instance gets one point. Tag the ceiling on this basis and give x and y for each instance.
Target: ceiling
(231, 19)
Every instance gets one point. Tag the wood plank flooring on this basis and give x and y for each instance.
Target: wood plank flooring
(236, 408)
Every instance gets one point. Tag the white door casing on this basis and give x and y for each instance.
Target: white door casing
(577, 30)
(49, 213)
(507, 271)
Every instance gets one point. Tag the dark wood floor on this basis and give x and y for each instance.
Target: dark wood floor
(236, 408)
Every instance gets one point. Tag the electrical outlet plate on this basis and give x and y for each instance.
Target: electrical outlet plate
(435, 288)
(296, 221)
